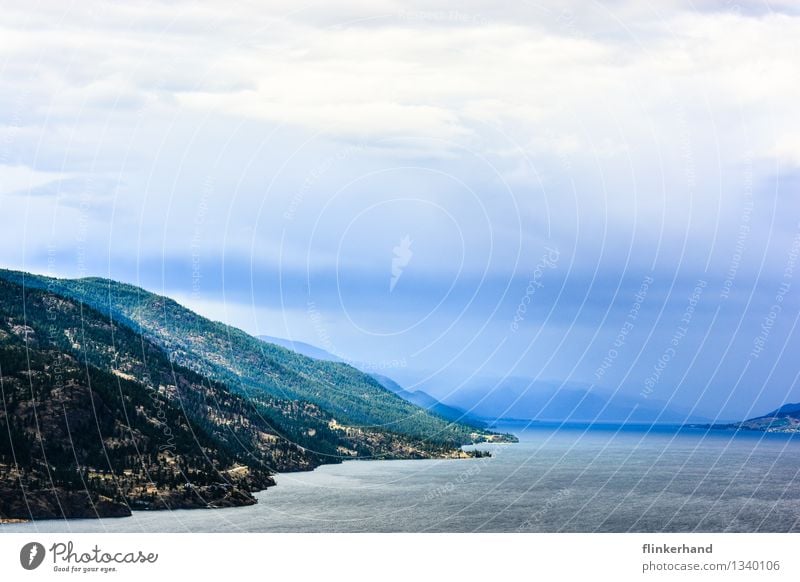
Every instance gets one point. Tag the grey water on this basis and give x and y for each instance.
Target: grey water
(558, 478)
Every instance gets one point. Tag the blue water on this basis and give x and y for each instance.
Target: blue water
(569, 478)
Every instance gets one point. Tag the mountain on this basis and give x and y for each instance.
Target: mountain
(522, 398)
(784, 419)
(787, 410)
(418, 397)
(115, 398)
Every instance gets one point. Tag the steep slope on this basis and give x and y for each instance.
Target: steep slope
(255, 368)
(96, 419)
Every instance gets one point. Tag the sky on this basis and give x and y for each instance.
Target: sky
(450, 193)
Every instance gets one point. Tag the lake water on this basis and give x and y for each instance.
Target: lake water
(557, 479)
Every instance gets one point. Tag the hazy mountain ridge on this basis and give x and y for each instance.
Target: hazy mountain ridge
(520, 398)
(431, 404)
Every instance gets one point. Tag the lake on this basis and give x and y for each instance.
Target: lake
(558, 478)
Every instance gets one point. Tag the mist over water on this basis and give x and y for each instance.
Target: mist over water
(571, 478)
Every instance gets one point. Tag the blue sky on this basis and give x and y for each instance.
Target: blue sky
(264, 164)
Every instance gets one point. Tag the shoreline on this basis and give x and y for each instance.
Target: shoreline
(448, 457)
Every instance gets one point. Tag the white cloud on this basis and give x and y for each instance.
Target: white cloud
(22, 179)
(396, 69)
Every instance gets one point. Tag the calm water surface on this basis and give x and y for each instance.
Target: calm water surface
(558, 478)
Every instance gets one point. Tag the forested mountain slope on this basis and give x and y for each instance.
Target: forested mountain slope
(98, 416)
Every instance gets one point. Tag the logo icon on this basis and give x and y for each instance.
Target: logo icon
(31, 555)
(402, 256)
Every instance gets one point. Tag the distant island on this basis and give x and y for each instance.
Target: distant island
(785, 419)
(117, 399)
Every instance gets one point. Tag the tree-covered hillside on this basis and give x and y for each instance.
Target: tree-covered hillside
(99, 416)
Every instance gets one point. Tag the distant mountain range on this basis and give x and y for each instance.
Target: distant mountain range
(116, 399)
(523, 398)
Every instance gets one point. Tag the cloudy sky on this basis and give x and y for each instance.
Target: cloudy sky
(599, 193)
